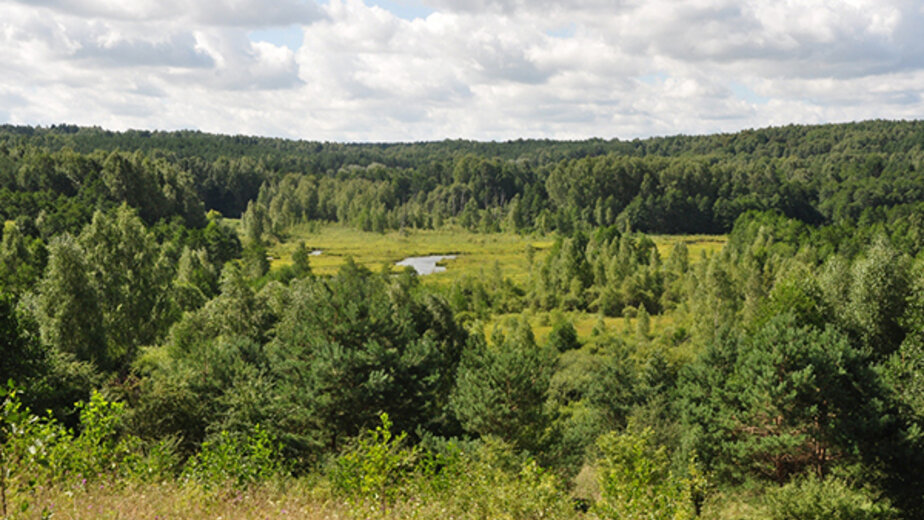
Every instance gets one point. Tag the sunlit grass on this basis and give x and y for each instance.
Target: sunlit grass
(176, 500)
(696, 244)
(476, 252)
(584, 323)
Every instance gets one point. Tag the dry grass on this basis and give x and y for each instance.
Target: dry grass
(289, 499)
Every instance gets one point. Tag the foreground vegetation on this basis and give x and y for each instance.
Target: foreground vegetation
(166, 360)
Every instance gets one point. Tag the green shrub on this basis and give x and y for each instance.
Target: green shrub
(26, 444)
(832, 498)
(636, 481)
(376, 466)
(235, 459)
(99, 448)
(153, 462)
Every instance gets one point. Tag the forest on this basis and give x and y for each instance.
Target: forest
(721, 326)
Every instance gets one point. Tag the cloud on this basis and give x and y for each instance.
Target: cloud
(178, 50)
(244, 13)
(478, 69)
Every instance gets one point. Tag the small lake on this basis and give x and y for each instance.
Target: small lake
(426, 264)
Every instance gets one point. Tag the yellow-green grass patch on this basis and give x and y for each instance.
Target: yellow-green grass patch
(541, 323)
(476, 252)
(696, 244)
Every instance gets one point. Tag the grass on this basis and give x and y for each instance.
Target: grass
(584, 323)
(478, 254)
(284, 498)
(475, 251)
(696, 244)
(177, 500)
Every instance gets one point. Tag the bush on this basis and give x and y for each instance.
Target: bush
(376, 466)
(832, 498)
(636, 481)
(26, 442)
(235, 459)
(99, 448)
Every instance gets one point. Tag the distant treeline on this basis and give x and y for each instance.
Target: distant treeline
(685, 184)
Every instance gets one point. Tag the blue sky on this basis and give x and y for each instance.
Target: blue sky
(388, 70)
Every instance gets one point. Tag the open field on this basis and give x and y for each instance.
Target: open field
(477, 252)
(696, 244)
(584, 323)
(477, 255)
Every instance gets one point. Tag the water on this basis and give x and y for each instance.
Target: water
(426, 264)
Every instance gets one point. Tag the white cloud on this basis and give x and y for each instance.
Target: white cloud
(479, 69)
(249, 13)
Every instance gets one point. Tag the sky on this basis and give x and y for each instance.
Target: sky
(412, 70)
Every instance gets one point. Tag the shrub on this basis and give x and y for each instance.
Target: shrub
(832, 498)
(636, 481)
(236, 459)
(99, 448)
(375, 466)
(26, 442)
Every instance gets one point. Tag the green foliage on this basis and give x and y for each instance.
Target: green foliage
(636, 481)
(350, 347)
(563, 337)
(501, 388)
(68, 309)
(300, 261)
(375, 466)
(27, 444)
(100, 447)
(831, 498)
(238, 460)
(24, 360)
(130, 278)
(774, 404)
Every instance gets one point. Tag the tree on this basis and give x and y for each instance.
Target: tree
(563, 337)
(131, 279)
(501, 388)
(776, 403)
(348, 348)
(67, 307)
(300, 261)
(878, 297)
(24, 359)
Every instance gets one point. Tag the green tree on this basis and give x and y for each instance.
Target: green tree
(300, 260)
(636, 481)
(501, 388)
(131, 278)
(775, 404)
(355, 345)
(67, 306)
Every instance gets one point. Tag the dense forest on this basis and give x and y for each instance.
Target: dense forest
(145, 337)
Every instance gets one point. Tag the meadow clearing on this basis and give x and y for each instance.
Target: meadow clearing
(478, 254)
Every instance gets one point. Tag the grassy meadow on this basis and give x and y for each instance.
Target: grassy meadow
(477, 252)
(479, 255)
